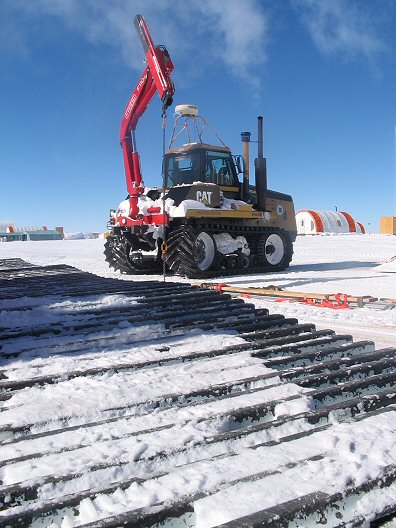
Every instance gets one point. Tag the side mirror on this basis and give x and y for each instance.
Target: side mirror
(238, 164)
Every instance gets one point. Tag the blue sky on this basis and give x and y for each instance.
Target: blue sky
(321, 72)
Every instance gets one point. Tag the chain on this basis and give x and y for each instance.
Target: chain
(164, 246)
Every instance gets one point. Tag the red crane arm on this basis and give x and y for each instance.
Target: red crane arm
(155, 78)
(158, 61)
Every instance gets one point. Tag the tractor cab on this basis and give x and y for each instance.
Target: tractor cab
(199, 162)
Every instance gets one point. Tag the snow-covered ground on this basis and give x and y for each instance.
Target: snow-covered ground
(321, 264)
(99, 427)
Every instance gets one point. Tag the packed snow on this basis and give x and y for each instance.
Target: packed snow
(135, 435)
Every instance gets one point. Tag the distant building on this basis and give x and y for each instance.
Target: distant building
(314, 222)
(60, 230)
(10, 233)
(388, 225)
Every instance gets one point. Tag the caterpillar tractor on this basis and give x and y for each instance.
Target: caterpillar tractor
(203, 221)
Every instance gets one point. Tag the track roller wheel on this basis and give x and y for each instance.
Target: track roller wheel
(232, 261)
(221, 262)
(190, 253)
(244, 261)
(275, 250)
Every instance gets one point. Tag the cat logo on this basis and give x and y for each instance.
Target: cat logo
(204, 197)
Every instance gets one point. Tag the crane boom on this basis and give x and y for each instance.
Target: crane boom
(155, 78)
(158, 61)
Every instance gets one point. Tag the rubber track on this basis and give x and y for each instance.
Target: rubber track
(116, 251)
(180, 243)
(233, 392)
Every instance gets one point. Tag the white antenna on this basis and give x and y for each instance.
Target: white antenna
(188, 121)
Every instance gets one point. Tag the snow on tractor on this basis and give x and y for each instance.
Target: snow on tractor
(202, 222)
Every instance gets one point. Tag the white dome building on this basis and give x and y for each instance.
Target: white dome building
(314, 222)
(5, 227)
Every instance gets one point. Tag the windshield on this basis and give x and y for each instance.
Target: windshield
(184, 168)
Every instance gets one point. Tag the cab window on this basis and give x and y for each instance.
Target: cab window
(182, 169)
(220, 169)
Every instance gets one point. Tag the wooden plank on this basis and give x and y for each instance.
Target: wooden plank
(271, 291)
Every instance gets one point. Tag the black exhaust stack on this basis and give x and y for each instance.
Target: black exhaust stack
(260, 166)
(245, 136)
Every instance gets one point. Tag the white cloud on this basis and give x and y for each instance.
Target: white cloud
(241, 31)
(342, 26)
(235, 32)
